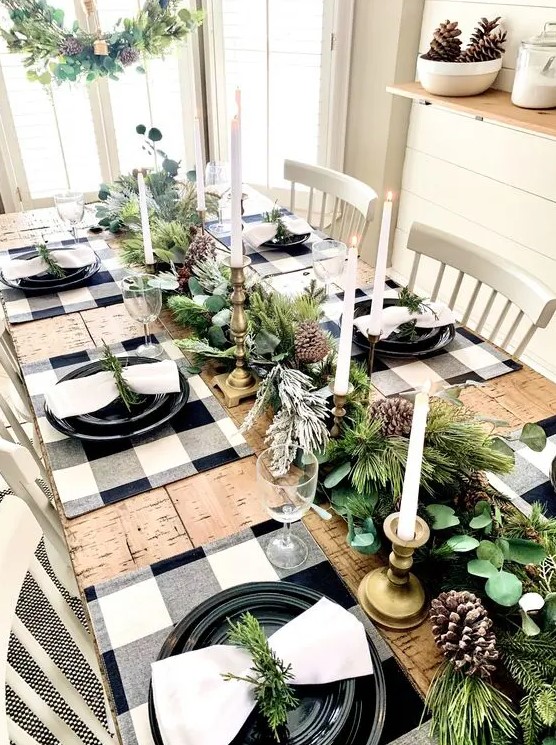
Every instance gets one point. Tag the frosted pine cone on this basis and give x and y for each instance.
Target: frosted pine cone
(128, 56)
(396, 415)
(462, 631)
(71, 46)
(310, 342)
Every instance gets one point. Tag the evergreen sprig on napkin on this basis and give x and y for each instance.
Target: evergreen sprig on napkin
(53, 267)
(275, 216)
(112, 363)
(270, 677)
(414, 304)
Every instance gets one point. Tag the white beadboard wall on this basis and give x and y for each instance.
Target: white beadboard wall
(491, 184)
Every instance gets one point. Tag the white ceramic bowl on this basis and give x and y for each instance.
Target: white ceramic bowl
(457, 78)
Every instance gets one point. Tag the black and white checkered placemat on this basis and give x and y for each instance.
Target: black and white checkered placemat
(133, 614)
(102, 288)
(89, 475)
(269, 261)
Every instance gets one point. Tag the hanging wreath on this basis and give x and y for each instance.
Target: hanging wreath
(56, 53)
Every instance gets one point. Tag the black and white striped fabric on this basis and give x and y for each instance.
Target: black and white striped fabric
(133, 614)
(89, 475)
(102, 288)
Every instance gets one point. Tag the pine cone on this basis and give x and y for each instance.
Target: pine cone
(445, 45)
(71, 46)
(484, 28)
(489, 48)
(462, 631)
(128, 56)
(396, 415)
(200, 248)
(474, 488)
(310, 342)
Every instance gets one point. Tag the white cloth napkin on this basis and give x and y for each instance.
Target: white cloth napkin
(433, 316)
(196, 706)
(74, 258)
(84, 395)
(259, 233)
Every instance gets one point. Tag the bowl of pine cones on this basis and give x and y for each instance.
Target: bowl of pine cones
(449, 70)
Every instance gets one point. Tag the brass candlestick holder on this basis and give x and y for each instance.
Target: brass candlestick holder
(339, 411)
(240, 383)
(373, 341)
(391, 596)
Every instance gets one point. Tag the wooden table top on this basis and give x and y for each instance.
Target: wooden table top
(166, 521)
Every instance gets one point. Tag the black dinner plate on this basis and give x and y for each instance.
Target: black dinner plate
(113, 422)
(427, 341)
(348, 712)
(45, 283)
(296, 240)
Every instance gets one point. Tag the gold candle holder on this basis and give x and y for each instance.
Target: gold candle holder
(339, 410)
(391, 596)
(373, 341)
(240, 383)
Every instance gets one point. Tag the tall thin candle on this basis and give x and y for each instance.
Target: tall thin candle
(236, 258)
(145, 225)
(341, 382)
(412, 480)
(199, 166)
(375, 321)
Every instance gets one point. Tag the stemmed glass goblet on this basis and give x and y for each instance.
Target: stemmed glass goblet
(218, 175)
(328, 261)
(143, 302)
(287, 497)
(71, 208)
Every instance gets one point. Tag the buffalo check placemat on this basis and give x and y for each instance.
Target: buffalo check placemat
(102, 288)
(89, 475)
(133, 614)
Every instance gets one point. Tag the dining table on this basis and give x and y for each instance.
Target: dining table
(167, 521)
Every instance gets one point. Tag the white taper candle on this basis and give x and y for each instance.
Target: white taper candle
(199, 166)
(341, 382)
(145, 225)
(236, 258)
(375, 321)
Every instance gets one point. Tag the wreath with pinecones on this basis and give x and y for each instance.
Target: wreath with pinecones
(486, 42)
(56, 53)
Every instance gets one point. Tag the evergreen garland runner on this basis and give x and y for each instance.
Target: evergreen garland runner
(54, 52)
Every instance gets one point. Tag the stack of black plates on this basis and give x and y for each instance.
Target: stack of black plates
(115, 421)
(349, 712)
(41, 284)
(423, 343)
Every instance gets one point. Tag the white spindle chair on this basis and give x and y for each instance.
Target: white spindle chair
(346, 205)
(20, 535)
(534, 301)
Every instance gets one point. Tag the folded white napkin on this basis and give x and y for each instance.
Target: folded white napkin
(433, 316)
(196, 706)
(258, 233)
(84, 395)
(74, 258)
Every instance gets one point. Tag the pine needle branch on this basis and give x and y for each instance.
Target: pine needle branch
(270, 676)
(111, 363)
(53, 267)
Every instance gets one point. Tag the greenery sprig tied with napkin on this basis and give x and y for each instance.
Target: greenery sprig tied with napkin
(113, 364)
(53, 267)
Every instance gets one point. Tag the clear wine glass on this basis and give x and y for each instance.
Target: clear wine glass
(287, 497)
(143, 302)
(218, 176)
(328, 261)
(71, 208)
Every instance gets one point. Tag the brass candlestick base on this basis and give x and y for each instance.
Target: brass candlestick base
(150, 268)
(240, 383)
(339, 411)
(373, 341)
(391, 596)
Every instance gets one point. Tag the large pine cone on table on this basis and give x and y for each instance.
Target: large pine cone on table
(201, 247)
(310, 342)
(462, 631)
(395, 414)
(445, 45)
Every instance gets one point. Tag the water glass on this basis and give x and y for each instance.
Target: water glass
(218, 175)
(287, 497)
(328, 261)
(71, 208)
(143, 302)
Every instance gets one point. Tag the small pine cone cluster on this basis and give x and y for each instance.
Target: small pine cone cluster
(129, 56)
(395, 414)
(310, 343)
(201, 247)
(463, 632)
(71, 46)
(475, 488)
(445, 45)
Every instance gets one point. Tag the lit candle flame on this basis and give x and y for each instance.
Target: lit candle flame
(427, 386)
(354, 241)
(389, 196)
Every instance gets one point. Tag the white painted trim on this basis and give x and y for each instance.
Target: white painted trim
(339, 71)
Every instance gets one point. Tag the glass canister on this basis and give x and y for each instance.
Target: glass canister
(535, 77)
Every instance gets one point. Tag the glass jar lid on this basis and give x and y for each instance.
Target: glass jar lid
(547, 37)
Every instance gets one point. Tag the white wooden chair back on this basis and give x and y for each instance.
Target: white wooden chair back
(20, 472)
(10, 365)
(20, 535)
(535, 302)
(346, 206)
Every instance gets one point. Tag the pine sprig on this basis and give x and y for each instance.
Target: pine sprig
(53, 267)
(275, 216)
(270, 675)
(112, 363)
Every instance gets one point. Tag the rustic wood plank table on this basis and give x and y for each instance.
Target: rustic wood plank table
(166, 521)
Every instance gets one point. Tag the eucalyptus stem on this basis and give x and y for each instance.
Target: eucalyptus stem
(53, 267)
(111, 363)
